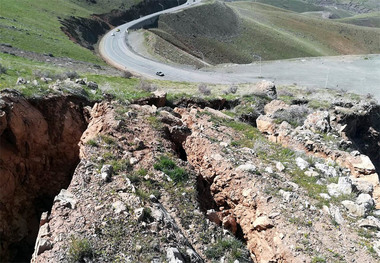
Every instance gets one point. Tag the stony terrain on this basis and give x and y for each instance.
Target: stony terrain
(254, 179)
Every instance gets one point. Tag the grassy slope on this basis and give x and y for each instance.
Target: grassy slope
(268, 31)
(34, 25)
(367, 20)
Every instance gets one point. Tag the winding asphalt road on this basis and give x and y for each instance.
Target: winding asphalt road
(360, 74)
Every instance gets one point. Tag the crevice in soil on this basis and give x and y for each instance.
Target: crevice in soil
(364, 132)
(39, 153)
(216, 104)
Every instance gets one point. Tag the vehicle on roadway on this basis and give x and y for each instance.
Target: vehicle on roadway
(113, 34)
(159, 73)
(118, 30)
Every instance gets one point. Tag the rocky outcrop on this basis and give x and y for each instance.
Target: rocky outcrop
(357, 127)
(39, 152)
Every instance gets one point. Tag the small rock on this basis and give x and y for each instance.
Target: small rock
(247, 167)
(370, 222)
(92, 85)
(106, 172)
(311, 173)
(66, 198)
(153, 198)
(262, 223)
(301, 163)
(337, 216)
(43, 245)
(344, 187)
(269, 170)
(325, 196)
(355, 153)
(354, 209)
(21, 81)
(366, 200)
(173, 255)
(362, 186)
(139, 214)
(327, 170)
(280, 167)
(288, 196)
(133, 160)
(80, 82)
(119, 207)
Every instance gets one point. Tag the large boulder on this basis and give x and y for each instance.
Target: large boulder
(266, 88)
(275, 105)
(318, 121)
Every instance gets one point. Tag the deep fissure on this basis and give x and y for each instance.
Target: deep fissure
(39, 154)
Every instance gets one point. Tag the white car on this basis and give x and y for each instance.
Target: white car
(113, 34)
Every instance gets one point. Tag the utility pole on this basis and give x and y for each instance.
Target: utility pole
(327, 78)
(161, 6)
(257, 56)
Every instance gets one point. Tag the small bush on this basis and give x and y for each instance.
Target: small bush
(71, 74)
(3, 70)
(231, 89)
(294, 115)
(92, 142)
(43, 74)
(169, 167)
(231, 247)
(145, 86)
(80, 250)
(126, 74)
(202, 88)
(318, 260)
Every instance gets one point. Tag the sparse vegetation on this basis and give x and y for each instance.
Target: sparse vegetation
(203, 89)
(169, 167)
(231, 248)
(80, 250)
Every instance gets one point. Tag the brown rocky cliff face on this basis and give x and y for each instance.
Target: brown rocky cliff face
(39, 152)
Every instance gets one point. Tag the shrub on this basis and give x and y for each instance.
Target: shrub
(202, 88)
(71, 74)
(231, 247)
(145, 86)
(79, 250)
(92, 142)
(231, 89)
(3, 70)
(295, 115)
(43, 74)
(126, 74)
(168, 166)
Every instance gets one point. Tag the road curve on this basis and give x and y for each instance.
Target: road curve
(360, 74)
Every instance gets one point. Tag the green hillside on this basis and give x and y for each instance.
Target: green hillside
(268, 31)
(368, 20)
(34, 25)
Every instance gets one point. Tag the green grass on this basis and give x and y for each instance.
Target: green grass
(123, 89)
(231, 248)
(169, 167)
(35, 26)
(79, 249)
